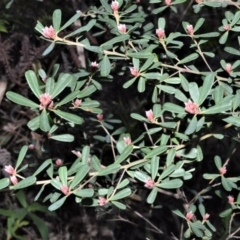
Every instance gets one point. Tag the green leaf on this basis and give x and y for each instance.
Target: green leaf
(4, 182)
(198, 24)
(39, 193)
(109, 169)
(223, 38)
(44, 121)
(63, 174)
(141, 84)
(194, 92)
(170, 156)
(25, 183)
(218, 162)
(209, 176)
(154, 130)
(68, 98)
(56, 18)
(232, 51)
(184, 82)
(21, 156)
(225, 213)
(201, 209)
(136, 62)
(130, 9)
(124, 154)
(152, 75)
(147, 63)
(87, 91)
(172, 80)
(189, 58)
(158, 10)
(236, 102)
(194, 227)
(55, 70)
(82, 172)
(43, 165)
(71, 20)
(171, 107)
(167, 89)
(199, 154)
(178, 173)
(50, 82)
(40, 225)
(226, 183)
(19, 99)
(236, 18)
(63, 81)
(235, 120)
(121, 194)
(117, 39)
(123, 184)
(209, 54)
(138, 117)
(154, 166)
(141, 55)
(85, 154)
(141, 176)
(191, 126)
(69, 117)
(180, 96)
(208, 35)
(33, 83)
(86, 28)
(63, 137)
(152, 195)
(156, 151)
(119, 131)
(56, 183)
(178, 212)
(110, 191)
(105, 66)
(119, 205)
(33, 124)
(49, 49)
(167, 171)
(171, 55)
(187, 153)
(206, 88)
(211, 226)
(171, 184)
(94, 49)
(106, 5)
(57, 204)
(95, 163)
(161, 23)
(218, 108)
(84, 193)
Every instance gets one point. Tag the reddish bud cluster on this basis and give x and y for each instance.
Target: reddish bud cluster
(189, 216)
(191, 107)
(46, 101)
(9, 169)
(149, 183)
(150, 115)
(122, 28)
(127, 140)
(48, 32)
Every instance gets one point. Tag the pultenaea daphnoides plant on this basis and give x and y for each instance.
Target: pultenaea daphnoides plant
(192, 102)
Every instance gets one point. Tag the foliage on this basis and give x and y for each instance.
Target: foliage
(16, 219)
(190, 103)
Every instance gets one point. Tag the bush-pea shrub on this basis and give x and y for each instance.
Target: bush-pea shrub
(189, 101)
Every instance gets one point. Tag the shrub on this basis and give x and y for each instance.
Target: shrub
(188, 100)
